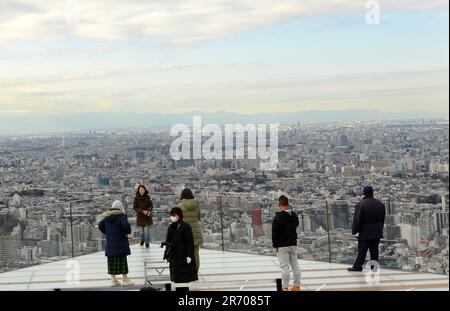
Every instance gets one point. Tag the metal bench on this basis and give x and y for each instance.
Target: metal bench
(159, 267)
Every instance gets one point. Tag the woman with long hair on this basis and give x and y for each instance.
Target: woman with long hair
(143, 206)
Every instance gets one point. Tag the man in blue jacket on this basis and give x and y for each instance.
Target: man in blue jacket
(368, 223)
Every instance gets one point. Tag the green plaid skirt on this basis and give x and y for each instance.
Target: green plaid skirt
(117, 265)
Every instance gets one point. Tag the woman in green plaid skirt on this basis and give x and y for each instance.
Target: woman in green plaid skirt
(116, 227)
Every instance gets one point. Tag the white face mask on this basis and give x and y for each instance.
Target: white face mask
(174, 218)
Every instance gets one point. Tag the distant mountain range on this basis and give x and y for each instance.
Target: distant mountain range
(118, 120)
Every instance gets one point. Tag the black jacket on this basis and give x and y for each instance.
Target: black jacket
(284, 229)
(368, 220)
(179, 246)
(116, 227)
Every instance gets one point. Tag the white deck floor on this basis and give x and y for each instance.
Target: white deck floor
(219, 271)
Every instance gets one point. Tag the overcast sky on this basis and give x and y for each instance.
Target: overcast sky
(233, 55)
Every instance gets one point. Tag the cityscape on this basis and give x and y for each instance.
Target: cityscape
(54, 187)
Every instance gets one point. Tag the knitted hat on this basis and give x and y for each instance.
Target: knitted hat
(117, 205)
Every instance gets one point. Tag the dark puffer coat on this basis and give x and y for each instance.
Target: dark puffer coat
(116, 228)
(180, 245)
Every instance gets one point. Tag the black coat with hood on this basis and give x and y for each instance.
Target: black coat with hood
(179, 246)
(284, 229)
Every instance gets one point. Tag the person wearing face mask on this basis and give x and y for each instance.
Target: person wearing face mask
(180, 249)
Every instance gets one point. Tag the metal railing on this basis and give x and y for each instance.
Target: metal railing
(241, 223)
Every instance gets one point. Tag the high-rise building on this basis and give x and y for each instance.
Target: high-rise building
(85, 232)
(340, 215)
(55, 243)
(390, 206)
(443, 203)
(257, 222)
(411, 234)
(440, 221)
(426, 224)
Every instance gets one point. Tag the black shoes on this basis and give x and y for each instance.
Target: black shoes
(147, 246)
(142, 243)
(353, 269)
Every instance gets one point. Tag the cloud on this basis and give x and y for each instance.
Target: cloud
(389, 91)
(168, 21)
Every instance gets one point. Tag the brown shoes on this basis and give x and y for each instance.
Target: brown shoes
(293, 289)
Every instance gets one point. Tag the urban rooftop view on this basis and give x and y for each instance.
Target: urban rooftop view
(205, 147)
(54, 188)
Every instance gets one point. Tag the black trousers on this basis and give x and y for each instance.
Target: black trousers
(363, 247)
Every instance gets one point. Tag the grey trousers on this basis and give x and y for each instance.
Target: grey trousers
(288, 259)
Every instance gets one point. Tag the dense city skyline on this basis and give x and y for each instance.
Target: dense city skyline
(321, 166)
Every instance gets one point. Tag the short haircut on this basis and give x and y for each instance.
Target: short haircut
(283, 201)
(186, 194)
(368, 191)
(176, 211)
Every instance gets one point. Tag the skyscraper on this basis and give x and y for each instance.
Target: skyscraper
(55, 243)
(390, 207)
(441, 221)
(257, 222)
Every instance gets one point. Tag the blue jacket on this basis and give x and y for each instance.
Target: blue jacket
(116, 228)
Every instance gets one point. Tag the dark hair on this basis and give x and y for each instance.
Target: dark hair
(283, 201)
(186, 194)
(368, 191)
(137, 191)
(176, 211)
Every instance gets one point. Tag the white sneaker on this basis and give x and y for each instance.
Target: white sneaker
(127, 282)
(115, 283)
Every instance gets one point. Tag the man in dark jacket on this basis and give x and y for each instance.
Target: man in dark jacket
(284, 240)
(368, 223)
